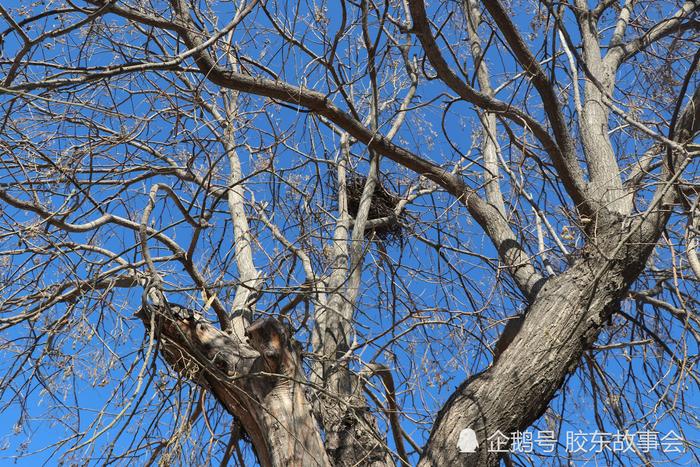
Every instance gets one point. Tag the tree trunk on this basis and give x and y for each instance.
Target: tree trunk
(260, 382)
(560, 324)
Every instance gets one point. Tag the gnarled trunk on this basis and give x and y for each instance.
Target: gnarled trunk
(260, 382)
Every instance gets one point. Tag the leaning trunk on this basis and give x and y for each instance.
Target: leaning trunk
(561, 323)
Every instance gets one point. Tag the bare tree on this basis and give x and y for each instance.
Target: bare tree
(341, 234)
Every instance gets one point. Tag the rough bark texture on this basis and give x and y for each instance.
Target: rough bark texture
(260, 382)
(562, 322)
(353, 433)
(605, 185)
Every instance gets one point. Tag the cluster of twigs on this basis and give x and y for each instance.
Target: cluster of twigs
(383, 207)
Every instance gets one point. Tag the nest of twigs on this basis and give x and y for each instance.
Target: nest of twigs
(383, 207)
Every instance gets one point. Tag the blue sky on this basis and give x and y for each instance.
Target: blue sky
(451, 288)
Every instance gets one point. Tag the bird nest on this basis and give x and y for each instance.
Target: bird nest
(383, 207)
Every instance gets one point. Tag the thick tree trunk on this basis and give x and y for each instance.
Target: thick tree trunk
(352, 434)
(260, 382)
(561, 323)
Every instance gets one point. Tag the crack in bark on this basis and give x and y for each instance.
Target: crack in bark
(260, 382)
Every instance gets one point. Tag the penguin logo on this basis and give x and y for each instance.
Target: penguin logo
(467, 441)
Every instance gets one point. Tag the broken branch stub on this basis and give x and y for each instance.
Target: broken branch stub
(260, 382)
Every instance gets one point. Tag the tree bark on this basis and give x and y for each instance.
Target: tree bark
(260, 382)
(562, 322)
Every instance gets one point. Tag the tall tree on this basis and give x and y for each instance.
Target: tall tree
(343, 233)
